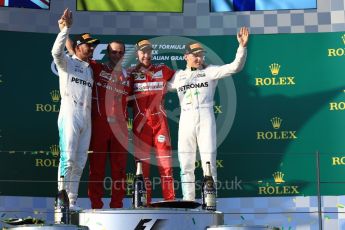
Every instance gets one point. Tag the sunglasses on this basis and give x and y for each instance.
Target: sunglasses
(117, 52)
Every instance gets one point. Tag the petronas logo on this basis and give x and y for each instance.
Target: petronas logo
(276, 122)
(54, 149)
(278, 177)
(275, 67)
(55, 95)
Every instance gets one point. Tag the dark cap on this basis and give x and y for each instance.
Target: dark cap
(85, 38)
(194, 47)
(143, 45)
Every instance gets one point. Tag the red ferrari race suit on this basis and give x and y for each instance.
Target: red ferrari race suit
(150, 125)
(109, 134)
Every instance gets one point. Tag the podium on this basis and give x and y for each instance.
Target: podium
(149, 218)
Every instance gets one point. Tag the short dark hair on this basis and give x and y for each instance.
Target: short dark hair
(118, 42)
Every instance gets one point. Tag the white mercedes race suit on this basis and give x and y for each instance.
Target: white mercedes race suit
(197, 125)
(74, 122)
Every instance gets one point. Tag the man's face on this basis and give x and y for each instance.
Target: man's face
(144, 56)
(84, 51)
(195, 60)
(115, 53)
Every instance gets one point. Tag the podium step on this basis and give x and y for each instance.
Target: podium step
(149, 218)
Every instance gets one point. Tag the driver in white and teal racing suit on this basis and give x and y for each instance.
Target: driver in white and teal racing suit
(195, 87)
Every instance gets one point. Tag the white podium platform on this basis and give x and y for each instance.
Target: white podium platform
(149, 218)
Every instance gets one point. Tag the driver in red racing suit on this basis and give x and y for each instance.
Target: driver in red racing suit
(150, 125)
(109, 127)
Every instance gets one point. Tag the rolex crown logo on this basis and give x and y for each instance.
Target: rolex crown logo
(130, 178)
(130, 124)
(276, 122)
(54, 149)
(343, 38)
(274, 68)
(55, 94)
(278, 177)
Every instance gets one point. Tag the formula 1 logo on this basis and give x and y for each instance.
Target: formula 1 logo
(149, 224)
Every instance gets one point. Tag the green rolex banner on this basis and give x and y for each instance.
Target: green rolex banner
(131, 5)
(279, 121)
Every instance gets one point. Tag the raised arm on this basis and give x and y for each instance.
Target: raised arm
(238, 63)
(69, 46)
(58, 53)
(243, 36)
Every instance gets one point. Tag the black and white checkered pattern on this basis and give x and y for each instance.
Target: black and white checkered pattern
(196, 20)
(297, 213)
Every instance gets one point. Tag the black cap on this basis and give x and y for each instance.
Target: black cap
(143, 44)
(85, 38)
(194, 47)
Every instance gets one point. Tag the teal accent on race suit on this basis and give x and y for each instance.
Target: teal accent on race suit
(62, 145)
